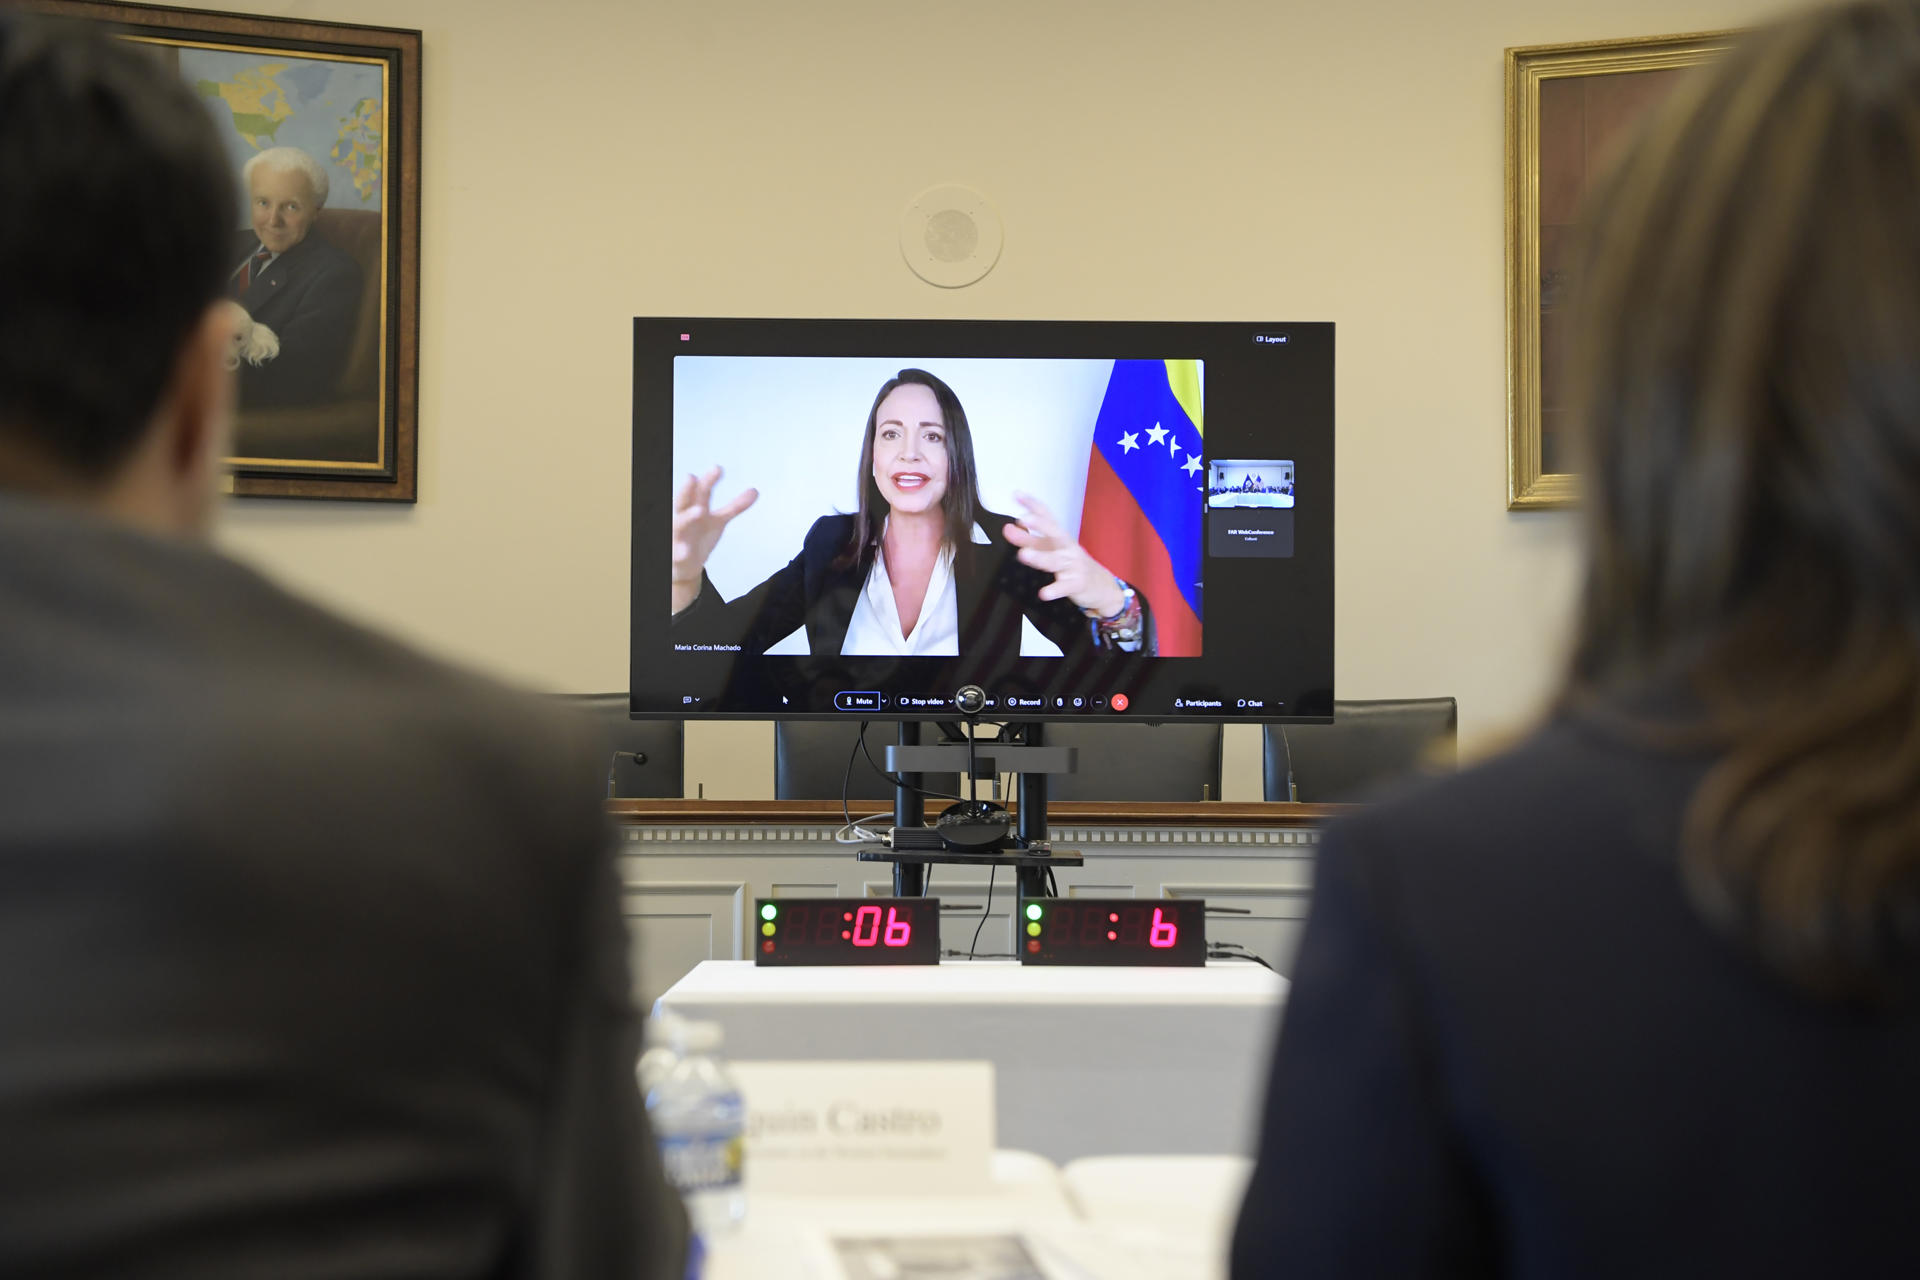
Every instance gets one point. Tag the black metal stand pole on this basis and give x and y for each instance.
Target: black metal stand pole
(909, 881)
(1032, 829)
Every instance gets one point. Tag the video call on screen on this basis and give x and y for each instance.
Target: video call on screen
(1132, 520)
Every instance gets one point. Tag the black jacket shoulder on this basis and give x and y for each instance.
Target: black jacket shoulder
(1513, 1045)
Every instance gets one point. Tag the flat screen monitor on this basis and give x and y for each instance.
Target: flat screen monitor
(856, 518)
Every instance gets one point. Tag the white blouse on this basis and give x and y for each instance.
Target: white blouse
(875, 626)
(874, 629)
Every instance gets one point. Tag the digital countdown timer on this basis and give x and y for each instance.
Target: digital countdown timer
(1112, 931)
(803, 931)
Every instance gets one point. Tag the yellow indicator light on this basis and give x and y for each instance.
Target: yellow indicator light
(769, 911)
(767, 928)
(1033, 930)
(1033, 911)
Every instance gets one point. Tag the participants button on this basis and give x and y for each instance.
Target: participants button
(856, 700)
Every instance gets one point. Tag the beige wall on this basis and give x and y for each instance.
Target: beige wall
(1219, 159)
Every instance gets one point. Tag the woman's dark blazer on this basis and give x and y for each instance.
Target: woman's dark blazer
(993, 589)
(1513, 1048)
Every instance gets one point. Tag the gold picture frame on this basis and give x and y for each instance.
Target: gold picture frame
(1567, 104)
(332, 410)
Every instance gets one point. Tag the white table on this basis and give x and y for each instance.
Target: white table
(1087, 1061)
(1171, 1193)
(1127, 1218)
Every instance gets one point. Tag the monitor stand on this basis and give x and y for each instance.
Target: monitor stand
(1028, 851)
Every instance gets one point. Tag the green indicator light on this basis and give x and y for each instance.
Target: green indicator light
(767, 928)
(1033, 930)
(1033, 911)
(769, 911)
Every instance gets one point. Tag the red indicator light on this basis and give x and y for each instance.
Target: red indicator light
(846, 915)
(1033, 944)
(1112, 936)
(845, 934)
(767, 946)
(1119, 702)
(1113, 916)
(686, 337)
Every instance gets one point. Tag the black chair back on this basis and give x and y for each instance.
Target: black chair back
(1121, 761)
(657, 768)
(810, 762)
(1117, 761)
(1368, 745)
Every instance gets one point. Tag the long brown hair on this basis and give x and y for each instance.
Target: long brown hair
(959, 503)
(1748, 377)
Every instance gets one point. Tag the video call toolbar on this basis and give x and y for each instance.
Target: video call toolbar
(873, 701)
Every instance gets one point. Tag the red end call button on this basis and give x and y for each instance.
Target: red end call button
(1119, 702)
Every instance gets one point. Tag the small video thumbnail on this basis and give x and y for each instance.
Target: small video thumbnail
(1250, 507)
(1250, 484)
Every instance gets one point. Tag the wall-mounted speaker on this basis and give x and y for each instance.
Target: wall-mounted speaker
(951, 235)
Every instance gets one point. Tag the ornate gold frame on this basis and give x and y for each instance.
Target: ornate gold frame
(1528, 487)
(391, 476)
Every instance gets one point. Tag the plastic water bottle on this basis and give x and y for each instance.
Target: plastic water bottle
(663, 1034)
(701, 1125)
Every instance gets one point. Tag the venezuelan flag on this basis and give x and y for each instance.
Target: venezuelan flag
(1146, 492)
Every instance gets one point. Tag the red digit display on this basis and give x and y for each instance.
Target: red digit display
(839, 931)
(1093, 925)
(1165, 933)
(1060, 924)
(1116, 931)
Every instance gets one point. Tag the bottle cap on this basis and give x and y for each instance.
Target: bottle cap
(663, 1030)
(699, 1037)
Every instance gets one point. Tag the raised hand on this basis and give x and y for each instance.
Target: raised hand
(697, 526)
(1077, 576)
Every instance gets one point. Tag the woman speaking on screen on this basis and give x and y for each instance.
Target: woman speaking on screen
(920, 569)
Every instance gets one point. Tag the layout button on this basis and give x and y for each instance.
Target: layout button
(856, 700)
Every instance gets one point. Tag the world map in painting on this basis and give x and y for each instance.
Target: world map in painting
(331, 110)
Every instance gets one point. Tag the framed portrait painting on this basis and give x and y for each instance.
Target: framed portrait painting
(1569, 109)
(321, 122)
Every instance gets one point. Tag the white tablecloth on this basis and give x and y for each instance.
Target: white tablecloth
(1087, 1061)
(1133, 1218)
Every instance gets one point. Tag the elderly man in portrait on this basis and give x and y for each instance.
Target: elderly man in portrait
(290, 279)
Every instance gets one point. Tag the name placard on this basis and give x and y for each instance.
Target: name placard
(867, 1128)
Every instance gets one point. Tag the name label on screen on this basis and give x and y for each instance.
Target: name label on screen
(868, 1128)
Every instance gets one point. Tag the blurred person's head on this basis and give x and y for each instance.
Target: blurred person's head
(115, 204)
(1747, 375)
(916, 456)
(286, 189)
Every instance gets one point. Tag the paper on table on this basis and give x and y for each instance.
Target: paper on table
(935, 1257)
(867, 1128)
(1087, 1251)
(1054, 1251)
